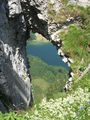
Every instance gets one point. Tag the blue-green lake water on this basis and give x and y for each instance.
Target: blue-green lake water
(47, 52)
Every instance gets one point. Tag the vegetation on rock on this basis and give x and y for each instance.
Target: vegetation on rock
(68, 11)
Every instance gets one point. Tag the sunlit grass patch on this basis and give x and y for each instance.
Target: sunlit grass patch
(75, 43)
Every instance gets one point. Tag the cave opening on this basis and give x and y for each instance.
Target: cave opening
(48, 72)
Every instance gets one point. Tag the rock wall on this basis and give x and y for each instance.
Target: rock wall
(15, 86)
(17, 18)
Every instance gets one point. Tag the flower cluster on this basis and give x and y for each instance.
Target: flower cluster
(75, 106)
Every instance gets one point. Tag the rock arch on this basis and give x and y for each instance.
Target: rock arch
(17, 18)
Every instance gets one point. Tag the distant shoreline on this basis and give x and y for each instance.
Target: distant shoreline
(38, 40)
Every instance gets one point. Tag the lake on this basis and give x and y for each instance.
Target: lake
(47, 52)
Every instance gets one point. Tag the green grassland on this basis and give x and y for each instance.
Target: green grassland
(47, 80)
(76, 43)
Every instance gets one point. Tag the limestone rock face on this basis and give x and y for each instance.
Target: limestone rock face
(17, 18)
(36, 17)
(15, 86)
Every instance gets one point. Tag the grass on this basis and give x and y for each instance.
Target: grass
(75, 106)
(75, 44)
(46, 79)
(64, 1)
(84, 82)
(67, 11)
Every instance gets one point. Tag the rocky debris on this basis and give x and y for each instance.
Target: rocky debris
(68, 86)
(54, 28)
(58, 43)
(57, 4)
(60, 52)
(72, 74)
(83, 3)
(70, 60)
(65, 59)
